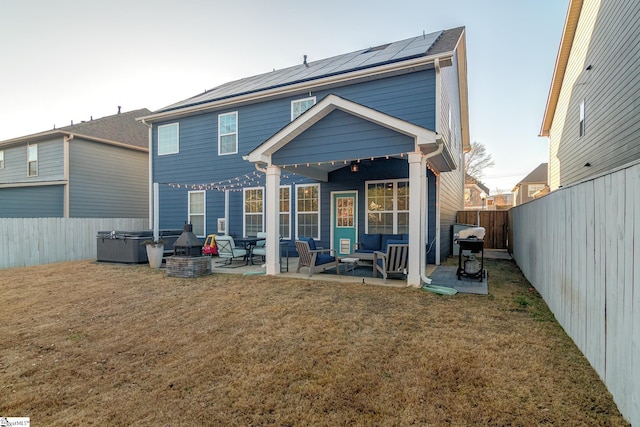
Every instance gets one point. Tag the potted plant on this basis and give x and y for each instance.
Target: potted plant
(155, 252)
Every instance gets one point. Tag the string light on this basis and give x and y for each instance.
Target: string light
(255, 178)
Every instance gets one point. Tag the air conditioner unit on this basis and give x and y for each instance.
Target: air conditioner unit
(222, 225)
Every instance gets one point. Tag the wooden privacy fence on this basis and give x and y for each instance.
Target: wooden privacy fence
(34, 241)
(494, 222)
(580, 247)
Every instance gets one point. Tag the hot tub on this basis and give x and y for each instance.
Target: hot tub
(126, 246)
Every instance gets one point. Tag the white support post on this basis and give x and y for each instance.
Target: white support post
(416, 236)
(156, 211)
(272, 209)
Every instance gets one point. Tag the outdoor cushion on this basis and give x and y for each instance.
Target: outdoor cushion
(370, 242)
(312, 243)
(324, 258)
(394, 242)
(385, 237)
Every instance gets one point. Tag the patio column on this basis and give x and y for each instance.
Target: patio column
(416, 235)
(272, 209)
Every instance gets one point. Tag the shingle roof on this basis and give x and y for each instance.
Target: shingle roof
(539, 174)
(424, 45)
(121, 128)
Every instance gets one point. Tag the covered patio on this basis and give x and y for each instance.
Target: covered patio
(304, 146)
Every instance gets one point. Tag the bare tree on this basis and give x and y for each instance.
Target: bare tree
(477, 160)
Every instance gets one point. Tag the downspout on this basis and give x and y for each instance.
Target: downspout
(423, 221)
(67, 191)
(150, 126)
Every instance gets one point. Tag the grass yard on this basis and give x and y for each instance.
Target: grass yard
(84, 343)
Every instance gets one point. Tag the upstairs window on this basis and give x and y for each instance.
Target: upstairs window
(299, 106)
(32, 160)
(228, 133)
(582, 128)
(534, 188)
(168, 139)
(1, 159)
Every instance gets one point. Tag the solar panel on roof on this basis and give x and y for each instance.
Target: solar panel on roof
(379, 55)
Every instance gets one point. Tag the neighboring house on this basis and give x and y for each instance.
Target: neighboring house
(592, 118)
(94, 169)
(475, 194)
(330, 149)
(531, 186)
(499, 202)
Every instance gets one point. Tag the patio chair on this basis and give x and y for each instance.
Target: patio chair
(227, 249)
(260, 249)
(315, 259)
(393, 261)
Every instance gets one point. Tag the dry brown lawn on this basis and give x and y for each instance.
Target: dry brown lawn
(104, 344)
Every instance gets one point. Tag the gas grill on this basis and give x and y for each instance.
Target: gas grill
(471, 254)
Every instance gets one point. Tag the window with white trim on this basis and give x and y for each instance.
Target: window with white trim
(228, 133)
(388, 206)
(582, 126)
(253, 211)
(1, 159)
(299, 106)
(197, 213)
(285, 212)
(32, 160)
(168, 139)
(534, 188)
(308, 210)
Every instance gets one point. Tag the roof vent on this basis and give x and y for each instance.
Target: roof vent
(377, 48)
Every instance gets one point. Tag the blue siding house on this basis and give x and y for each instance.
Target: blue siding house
(366, 142)
(93, 169)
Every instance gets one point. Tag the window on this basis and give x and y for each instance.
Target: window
(299, 106)
(388, 207)
(228, 133)
(582, 128)
(308, 210)
(534, 188)
(197, 212)
(285, 212)
(344, 212)
(1, 159)
(253, 211)
(168, 140)
(32, 160)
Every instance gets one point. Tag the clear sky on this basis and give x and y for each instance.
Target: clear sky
(70, 60)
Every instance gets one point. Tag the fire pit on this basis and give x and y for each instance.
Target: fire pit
(187, 259)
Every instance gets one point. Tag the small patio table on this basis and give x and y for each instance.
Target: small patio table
(248, 242)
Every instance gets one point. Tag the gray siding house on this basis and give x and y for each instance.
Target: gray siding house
(365, 142)
(592, 117)
(94, 169)
(531, 186)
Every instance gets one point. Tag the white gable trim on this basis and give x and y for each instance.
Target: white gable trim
(262, 154)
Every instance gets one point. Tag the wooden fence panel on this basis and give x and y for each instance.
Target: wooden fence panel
(34, 241)
(496, 224)
(580, 247)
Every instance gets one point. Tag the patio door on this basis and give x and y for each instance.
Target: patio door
(344, 221)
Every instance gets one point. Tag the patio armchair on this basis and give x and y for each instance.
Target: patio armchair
(393, 260)
(260, 249)
(315, 259)
(227, 249)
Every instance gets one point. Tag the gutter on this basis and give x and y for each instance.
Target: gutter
(150, 151)
(409, 66)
